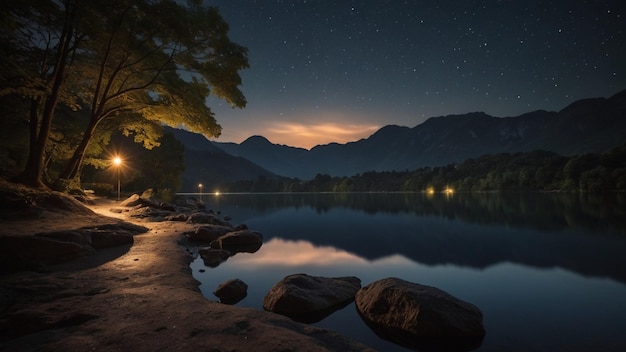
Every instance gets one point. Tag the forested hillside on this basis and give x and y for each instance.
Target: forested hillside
(534, 171)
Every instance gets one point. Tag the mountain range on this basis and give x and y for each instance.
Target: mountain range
(585, 126)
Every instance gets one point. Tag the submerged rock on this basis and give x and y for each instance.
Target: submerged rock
(420, 317)
(309, 299)
(231, 291)
(213, 257)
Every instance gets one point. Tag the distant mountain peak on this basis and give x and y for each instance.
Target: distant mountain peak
(584, 126)
(256, 140)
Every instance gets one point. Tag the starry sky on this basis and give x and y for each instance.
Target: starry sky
(326, 71)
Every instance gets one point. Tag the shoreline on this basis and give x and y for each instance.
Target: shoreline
(140, 297)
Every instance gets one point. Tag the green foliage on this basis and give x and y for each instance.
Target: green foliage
(159, 168)
(535, 171)
(126, 65)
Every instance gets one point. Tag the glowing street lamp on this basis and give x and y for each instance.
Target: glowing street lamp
(200, 188)
(117, 161)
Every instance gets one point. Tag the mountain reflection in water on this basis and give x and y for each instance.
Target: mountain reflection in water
(542, 267)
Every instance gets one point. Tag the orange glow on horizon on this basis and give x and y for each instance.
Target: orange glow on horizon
(307, 136)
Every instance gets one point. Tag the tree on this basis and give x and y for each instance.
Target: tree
(38, 38)
(159, 60)
(127, 60)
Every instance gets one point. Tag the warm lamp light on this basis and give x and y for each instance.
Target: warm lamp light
(117, 161)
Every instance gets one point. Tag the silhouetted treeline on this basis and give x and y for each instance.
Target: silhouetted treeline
(534, 171)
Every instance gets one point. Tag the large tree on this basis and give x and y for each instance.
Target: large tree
(155, 60)
(37, 40)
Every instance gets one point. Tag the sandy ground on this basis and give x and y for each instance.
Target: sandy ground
(135, 298)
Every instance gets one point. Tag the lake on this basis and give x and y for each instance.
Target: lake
(548, 270)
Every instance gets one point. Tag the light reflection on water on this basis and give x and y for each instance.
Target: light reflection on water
(539, 289)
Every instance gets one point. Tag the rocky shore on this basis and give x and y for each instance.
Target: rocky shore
(115, 276)
(132, 297)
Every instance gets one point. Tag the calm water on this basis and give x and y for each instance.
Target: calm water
(547, 270)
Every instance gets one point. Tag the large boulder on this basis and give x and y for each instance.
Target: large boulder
(231, 291)
(208, 233)
(29, 252)
(112, 235)
(76, 236)
(54, 247)
(310, 299)
(420, 317)
(239, 241)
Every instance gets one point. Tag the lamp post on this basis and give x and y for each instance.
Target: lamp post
(117, 161)
(200, 188)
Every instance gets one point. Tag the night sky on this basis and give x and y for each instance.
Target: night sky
(336, 71)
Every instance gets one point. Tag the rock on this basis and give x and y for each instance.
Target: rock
(139, 201)
(27, 252)
(167, 206)
(206, 218)
(420, 317)
(131, 201)
(209, 233)
(309, 299)
(19, 202)
(239, 241)
(76, 236)
(231, 291)
(176, 217)
(213, 257)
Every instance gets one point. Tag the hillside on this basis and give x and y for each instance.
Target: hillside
(585, 126)
(207, 164)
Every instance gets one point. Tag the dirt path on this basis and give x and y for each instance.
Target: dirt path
(136, 298)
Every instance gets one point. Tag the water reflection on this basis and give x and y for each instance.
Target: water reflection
(604, 213)
(444, 238)
(524, 308)
(540, 266)
(280, 252)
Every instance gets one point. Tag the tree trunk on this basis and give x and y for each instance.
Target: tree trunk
(73, 165)
(31, 176)
(33, 171)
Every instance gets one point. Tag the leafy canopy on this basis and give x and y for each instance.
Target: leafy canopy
(128, 65)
